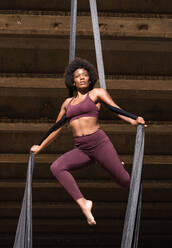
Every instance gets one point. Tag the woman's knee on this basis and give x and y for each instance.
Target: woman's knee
(126, 181)
(56, 167)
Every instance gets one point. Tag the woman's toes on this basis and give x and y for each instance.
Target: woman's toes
(91, 221)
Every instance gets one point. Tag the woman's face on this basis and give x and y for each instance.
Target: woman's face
(81, 79)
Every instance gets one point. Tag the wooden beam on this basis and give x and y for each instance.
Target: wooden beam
(98, 190)
(80, 226)
(122, 136)
(109, 26)
(131, 6)
(112, 128)
(54, 61)
(55, 87)
(150, 97)
(56, 82)
(14, 166)
(85, 43)
(107, 127)
(48, 158)
(88, 184)
(88, 240)
(151, 210)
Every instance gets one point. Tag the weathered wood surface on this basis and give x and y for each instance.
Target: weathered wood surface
(47, 61)
(109, 26)
(79, 226)
(14, 166)
(48, 158)
(57, 83)
(90, 239)
(130, 6)
(150, 210)
(86, 43)
(44, 109)
(18, 137)
(41, 96)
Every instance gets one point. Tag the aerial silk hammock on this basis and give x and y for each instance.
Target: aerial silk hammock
(23, 238)
(132, 217)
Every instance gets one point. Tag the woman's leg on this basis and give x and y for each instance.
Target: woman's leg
(73, 160)
(107, 156)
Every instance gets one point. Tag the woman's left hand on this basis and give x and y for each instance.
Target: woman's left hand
(139, 120)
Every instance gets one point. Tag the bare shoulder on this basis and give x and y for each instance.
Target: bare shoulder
(66, 102)
(96, 94)
(63, 108)
(99, 91)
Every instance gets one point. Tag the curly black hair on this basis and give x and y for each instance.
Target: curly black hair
(75, 64)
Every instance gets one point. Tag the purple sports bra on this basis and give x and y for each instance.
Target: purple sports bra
(85, 108)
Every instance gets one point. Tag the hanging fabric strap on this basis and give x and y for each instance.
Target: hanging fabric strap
(120, 111)
(55, 127)
(132, 217)
(23, 238)
(73, 20)
(137, 220)
(72, 45)
(97, 42)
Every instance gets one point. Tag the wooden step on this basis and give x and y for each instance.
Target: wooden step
(118, 62)
(48, 24)
(14, 166)
(41, 97)
(138, 60)
(154, 190)
(88, 240)
(118, 59)
(46, 86)
(131, 6)
(19, 137)
(150, 210)
(54, 191)
(85, 43)
(79, 226)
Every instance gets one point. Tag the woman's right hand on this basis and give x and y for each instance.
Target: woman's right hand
(35, 149)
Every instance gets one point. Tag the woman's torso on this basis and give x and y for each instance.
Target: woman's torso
(83, 114)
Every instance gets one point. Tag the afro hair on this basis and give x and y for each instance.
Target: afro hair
(79, 63)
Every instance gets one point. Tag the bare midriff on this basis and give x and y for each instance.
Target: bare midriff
(84, 126)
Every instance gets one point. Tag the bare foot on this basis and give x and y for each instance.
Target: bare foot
(87, 212)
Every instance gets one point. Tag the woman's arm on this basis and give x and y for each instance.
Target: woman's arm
(55, 127)
(103, 96)
(53, 131)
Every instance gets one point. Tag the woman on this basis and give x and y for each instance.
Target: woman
(89, 140)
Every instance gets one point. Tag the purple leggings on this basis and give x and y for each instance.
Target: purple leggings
(93, 146)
